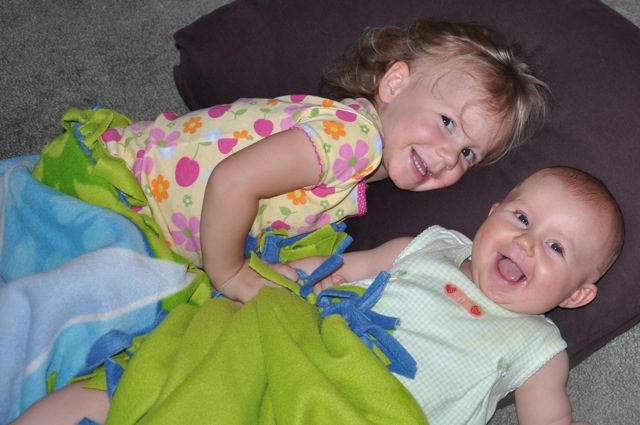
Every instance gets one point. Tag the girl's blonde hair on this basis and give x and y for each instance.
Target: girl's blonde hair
(511, 88)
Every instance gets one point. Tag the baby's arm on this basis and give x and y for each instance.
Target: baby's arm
(357, 264)
(543, 398)
(278, 164)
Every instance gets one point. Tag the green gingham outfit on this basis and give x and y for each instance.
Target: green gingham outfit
(466, 363)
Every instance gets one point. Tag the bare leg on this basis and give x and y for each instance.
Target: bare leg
(67, 406)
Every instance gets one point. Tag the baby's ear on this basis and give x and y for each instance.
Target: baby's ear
(581, 296)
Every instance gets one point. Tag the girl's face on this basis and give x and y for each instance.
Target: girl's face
(433, 131)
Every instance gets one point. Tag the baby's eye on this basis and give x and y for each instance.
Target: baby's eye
(522, 218)
(556, 247)
(469, 155)
(448, 123)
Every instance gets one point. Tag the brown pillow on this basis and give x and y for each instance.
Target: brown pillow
(587, 53)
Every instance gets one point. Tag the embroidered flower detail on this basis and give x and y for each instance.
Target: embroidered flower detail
(187, 232)
(297, 197)
(352, 162)
(334, 129)
(324, 204)
(365, 129)
(192, 125)
(340, 213)
(160, 189)
(314, 221)
(187, 201)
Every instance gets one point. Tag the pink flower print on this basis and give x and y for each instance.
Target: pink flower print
(166, 144)
(137, 126)
(143, 164)
(322, 190)
(351, 162)
(111, 135)
(187, 232)
(293, 113)
(314, 221)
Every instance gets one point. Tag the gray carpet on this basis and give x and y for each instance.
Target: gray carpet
(120, 54)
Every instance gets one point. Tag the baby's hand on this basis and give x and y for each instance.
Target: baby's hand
(333, 279)
(246, 283)
(308, 265)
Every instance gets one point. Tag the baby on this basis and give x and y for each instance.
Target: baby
(472, 313)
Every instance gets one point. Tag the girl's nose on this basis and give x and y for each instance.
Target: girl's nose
(449, 156)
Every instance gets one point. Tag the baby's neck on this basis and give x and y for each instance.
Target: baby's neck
(465, 268)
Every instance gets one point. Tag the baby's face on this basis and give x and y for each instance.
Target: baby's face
(538, 247)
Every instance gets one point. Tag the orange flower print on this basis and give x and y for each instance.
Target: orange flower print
(273, 102)
(244, 134)
(327, 103)
(363, 173)
(297, 197)
(159, 189)
(192, 125)
(334, 129)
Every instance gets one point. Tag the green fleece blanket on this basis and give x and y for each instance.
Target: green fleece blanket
(273, 361)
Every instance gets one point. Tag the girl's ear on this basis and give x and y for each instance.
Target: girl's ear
(396, 77)
(581, 296)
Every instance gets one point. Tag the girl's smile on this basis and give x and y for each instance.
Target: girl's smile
(433, 132)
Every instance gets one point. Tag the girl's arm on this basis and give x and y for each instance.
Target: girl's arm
(278, 164)
(543, 398)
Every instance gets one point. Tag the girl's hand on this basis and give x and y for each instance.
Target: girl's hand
(246, 283)
(273, 166)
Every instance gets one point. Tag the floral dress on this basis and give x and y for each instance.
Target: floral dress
(173, 157)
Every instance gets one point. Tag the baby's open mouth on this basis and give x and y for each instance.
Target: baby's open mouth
(421, 166)
(510, 270)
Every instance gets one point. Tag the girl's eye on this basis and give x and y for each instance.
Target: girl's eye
(448, 123)
(469, 155)
(522, 218)
(557, 248)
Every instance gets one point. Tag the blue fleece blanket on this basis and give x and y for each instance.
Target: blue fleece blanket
(70, 272)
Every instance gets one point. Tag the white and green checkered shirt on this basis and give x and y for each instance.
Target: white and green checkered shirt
(470, 351)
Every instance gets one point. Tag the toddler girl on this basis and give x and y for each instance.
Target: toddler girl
(420, 104)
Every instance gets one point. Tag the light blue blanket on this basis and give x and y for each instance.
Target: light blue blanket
(69, 273)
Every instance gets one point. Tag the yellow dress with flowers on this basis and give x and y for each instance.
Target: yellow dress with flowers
(173, 156)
